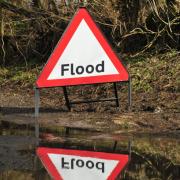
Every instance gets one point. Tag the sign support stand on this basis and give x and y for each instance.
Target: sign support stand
(129, 147)
(129, 94)
(66, 98)
(116, 94)
(37, 131)
(68, 103)
(37, 101)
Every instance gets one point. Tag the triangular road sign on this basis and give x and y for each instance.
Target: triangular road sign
(82, 56)
(65, 164)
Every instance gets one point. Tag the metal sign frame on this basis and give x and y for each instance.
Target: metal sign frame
(70, 103)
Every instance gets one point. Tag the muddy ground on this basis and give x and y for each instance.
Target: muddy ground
(150, 113)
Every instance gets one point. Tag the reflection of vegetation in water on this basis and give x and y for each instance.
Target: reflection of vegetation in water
(167, 147)
(24, 175)
(154, 158)
(14, 174)
(151, 166)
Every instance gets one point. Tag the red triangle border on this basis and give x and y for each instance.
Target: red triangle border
(81, 14)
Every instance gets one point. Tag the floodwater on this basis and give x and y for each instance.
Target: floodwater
(152, 157)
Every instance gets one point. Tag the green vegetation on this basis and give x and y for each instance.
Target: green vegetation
(149, 73)
(17, 76)
(156, 73)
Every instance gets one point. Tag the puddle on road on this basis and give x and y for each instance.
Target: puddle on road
(152, 157)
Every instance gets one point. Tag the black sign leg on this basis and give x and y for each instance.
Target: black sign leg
(37, 102)
(129, 95)
(67, 131)
(66, 98)
(116, 94)
(115, 146)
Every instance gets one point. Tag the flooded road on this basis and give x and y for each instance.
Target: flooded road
(152, 157)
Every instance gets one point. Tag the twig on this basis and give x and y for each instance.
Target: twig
(2, 37)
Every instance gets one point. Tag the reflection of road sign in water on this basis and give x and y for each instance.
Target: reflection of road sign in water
(81, 165)
(82, 56)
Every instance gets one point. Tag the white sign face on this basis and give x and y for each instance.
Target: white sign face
(83, 57)
(82, 168)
